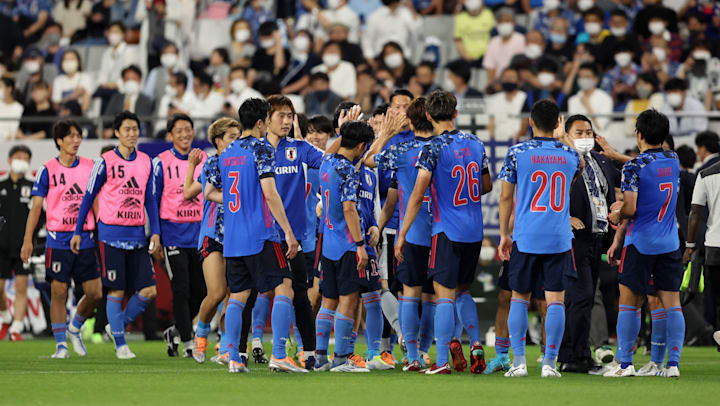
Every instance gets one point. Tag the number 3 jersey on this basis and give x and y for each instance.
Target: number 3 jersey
(543, 170)
(457, 161)
(654, 175)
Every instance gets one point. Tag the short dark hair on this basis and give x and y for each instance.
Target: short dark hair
(131, 68)
(380, 110)
(122, 116)
(181, 79)
(238, 68)
(572, 119)
(320, 124)
(107, 148)
(544, 114)
(650, 77)
(118, 24)
(267, 28)
(329, 44)
(547, 64)
(623, 46)
(39, 84)
(400, 92)
(251, 111)
(61, 129)
(686, 155)
(19, 148)
(8, 82)
(675, 84)
(204, 79)
(618, 12)
(589, 66)
(597, 11)
(178, 117)
(441, 105)
(277, 101)
(169, 44)
(354, 133)
(223, 54)
(652, 126)
(426, 64)
(346, 105)
(319, 76)
(460, 69)
(670, 141)
(709, 140)
(416, 113)
(77, 55)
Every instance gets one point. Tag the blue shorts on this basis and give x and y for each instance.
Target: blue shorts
(341, 277)
(209, 246)
(645, 274)
(263, 271)
(504, 282)
(553, 272)
(128, 270)
(453, 263)
(61, 265)
(413, 271)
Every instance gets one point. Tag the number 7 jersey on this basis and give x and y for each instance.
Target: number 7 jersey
(543, 170)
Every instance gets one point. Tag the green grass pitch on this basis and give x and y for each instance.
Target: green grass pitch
(30, 377)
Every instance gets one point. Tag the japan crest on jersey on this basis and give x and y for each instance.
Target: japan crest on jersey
(368, 179)
(291, 153)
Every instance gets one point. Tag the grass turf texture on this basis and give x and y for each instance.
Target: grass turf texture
(30, 376)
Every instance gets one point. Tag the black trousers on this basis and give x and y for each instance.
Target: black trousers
(387, 328)
(247, 321)
(304, 315)
(184, 267)
(579, 299)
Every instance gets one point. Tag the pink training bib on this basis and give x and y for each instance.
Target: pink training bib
(173, 206)
(122, 197)
(65, 193)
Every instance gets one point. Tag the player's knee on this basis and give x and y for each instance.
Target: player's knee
(148, 292)
(504, 298)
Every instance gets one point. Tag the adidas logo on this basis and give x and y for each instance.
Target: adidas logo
(131, 187)
(73, 193)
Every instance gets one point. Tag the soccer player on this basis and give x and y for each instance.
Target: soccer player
(179, 228)
(246, 171)
(455, 167)
(62, 181)
(651, 254)
(543, 169)
(122, 181)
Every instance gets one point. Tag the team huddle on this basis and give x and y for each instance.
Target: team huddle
(379, 231)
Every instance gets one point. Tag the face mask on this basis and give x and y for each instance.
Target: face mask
(701, 55)
(238, 85)
(19, 166)
(660, 54)
(267, 43)
(509, 86)
(131, 87)
(584, 145)
(393, 61)
(170, 91)
(550, 5)
(586, 83)
(557, 38)
(656, 27)
(114, 38)
(593, 28)
(618, 31)
(623, 59)
(487, 254)
(505, 29)
(169, 60)
(32, 67)
(546, 79)
(533, 51)
(301, 43)
(674, 99)
(53, 39)
(333, 4)
(473, 5)
(643, 92)
(585, 5)
(70, 66)
(331, 60)
(242, 35)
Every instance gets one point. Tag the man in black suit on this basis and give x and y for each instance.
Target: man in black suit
(590, 199)
(131, 99)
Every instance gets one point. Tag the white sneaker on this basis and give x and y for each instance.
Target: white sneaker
(123, 352)
(670, 372)
(650, 369)
(517, 372)
(77, 342)
(348, 366)
(603, 369)
(549, 372)
(618, 372)
(61, 352)
(716, 336)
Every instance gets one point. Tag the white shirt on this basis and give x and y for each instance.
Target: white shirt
(8, 128)
(343, 80)
(237, 99)
(384, 26)
(208, 107)
(187, 103)
(64, 85)
(600, 103)
(501, 109)
(347, 17)
(707, 193)
(114, 60)
(686, 126)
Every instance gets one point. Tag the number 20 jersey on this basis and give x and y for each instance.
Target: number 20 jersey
(543, 170)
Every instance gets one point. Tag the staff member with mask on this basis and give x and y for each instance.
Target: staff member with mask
(15, 198)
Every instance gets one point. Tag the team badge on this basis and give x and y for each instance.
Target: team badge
(368, 179)
(56, 267)
(25, 191)
(112, 275)
(291, 153)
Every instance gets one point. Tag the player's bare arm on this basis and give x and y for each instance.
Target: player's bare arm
(30, 225)
(352, 219)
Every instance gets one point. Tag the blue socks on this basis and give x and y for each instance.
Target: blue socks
(135, 307)
(427, 325)
(260, 314)
(628, 327)
(517, 326)
(281, 316)
(468, 314)
(203, 329)
(116, 319)
(343, 334)
(410, 324)
(675, 334)
(554, 329)
(233, 327)
(373, 322)
(457, 329)
(323, 328)
(444, 328)
(502, 346)
(77, 323)
(657, 338)
(298, 338)
(58, 330)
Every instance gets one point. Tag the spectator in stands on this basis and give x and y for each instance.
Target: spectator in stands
(351, 51)
(459, 74)
(395, 22)
(548, 86)
(594, 34)
(365, 8)
(208, 101)
(98, 22)
(653, 10)
(503, 46)
(342, 74)
(368, 94)
(646, 97)
(31, 15)
(393, 59)
(505, 107)
(219, 67)
(656, 60)
(10, 110)
(118, 56)
(550, 10)
(472, 31)
(677, 103)
(303, 59)
(702, 72)
(177, 99)
(535, 48)
(560, 45)
(320, 99)
(39, 107)
(73, 84)
(34, 69)
(423, 83)
(701, 30)
(51, 46)
(11, 38)
(164, 21)
(658, 28)
(271, 57)
(620, 80)
(130, 99)
(320, 21)
(590, 100)
(242, 46)
(159, 77)
(255, 13)
(240, 89)
(620, 33)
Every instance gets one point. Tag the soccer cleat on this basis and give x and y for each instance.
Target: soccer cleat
(619, 372)
(77, 342)
(322, 365)
(650, 369)
(4, 330)
(15, 337)
(198, 351)
(221, 359)
(378, 363)
(670, 372)
(604, 354)
(235, 367)
(124, 352)
(425, 358)
(188, 353)
(477, 359)
(286, 364)
(716, 337)
(172, 339)
(458, 358)
(388, 358)
(309, 363)
(348, 366)
(357, 360)
(414, 366)
(300, 357)
(498, 364)
(603, 369)
(519, 371)
(549, 372)
(438, 370)
(61, 352)
(258, 352)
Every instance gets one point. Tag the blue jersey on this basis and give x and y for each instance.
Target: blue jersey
(211, 224)
(367, 204)
(401, 159)
(655, 176)
(339, 182)
(312, 193)
(457, 161)
(246, 214)
(543, 170)
(385, 177)
(291, 157)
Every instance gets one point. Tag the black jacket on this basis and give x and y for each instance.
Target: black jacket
(580, 204)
